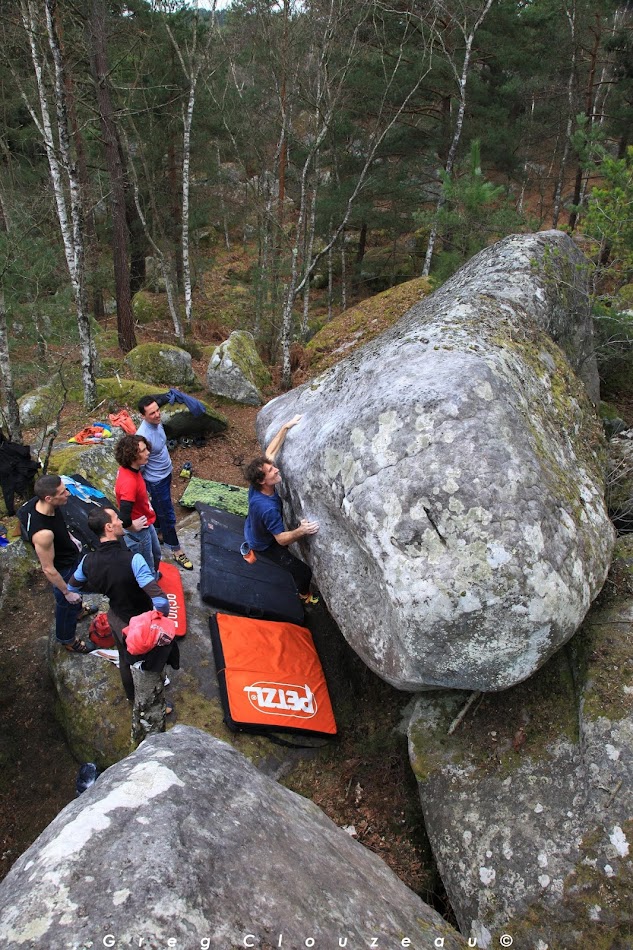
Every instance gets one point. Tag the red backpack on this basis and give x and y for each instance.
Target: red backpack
(100, 632)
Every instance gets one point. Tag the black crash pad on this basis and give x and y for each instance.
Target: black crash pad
(261, 590)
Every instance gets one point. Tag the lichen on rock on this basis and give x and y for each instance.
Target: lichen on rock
(528, 803)
(455, 465)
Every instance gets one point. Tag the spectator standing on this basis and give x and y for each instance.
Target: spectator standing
(123, 577)
(157, 473)
(137, 515)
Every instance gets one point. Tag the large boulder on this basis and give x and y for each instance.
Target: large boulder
(236, 370)
(528, 802)
(455, 465)
(95, 463)
(161, 363)
(185, 841)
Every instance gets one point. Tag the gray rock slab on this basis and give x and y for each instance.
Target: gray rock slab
(185, 840)
(529, 804)
(235, 370)
(455, 465)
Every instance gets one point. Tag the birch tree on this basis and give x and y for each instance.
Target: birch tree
(62, 168)
(192, 62)
(468, 33)
(329, 89)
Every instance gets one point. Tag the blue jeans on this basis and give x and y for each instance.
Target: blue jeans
(65, 614)
(160, 493)
(145, 542)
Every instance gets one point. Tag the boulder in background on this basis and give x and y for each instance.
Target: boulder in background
(236, 370)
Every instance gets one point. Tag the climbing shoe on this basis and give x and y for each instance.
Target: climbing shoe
(187, 470)
(183, 561)
(309, 600)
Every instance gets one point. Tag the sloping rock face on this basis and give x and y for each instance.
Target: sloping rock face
(528, 803)
(236, 370)
(91, 706)
(184, 840)
(455, 467)
(161, 363)
(95, 463)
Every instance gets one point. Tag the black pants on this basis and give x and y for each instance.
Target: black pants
(299, 569)
(116, 626)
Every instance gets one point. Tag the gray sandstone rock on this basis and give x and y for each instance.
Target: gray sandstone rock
(236, 370)
(91, 706)
(455, 465)
(528, 804)
(185, 840)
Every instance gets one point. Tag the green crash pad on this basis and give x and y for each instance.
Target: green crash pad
(227, 497)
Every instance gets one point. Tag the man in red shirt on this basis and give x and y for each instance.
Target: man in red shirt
(137, 514)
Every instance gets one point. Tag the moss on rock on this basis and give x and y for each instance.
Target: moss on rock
(91, 707)
(161, 363)
(362, 323)
(236, 371)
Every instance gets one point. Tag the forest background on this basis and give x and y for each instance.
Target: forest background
(342, 145)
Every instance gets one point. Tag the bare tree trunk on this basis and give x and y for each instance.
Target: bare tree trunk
(307, 256)
(192, 73)
(330, 279)
(452, 152)
(11, 411)
(120, 243)
(175, 228)
(571, 82)
(88, 351)
(225, 226)
(343, 272)
(186, 185)
(72, 233)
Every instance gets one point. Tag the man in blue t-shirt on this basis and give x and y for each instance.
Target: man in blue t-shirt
(264, 529)
(157, 474)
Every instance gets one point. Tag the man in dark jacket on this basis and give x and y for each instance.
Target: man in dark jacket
(123, 577)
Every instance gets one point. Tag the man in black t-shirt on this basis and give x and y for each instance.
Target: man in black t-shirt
(58, 553)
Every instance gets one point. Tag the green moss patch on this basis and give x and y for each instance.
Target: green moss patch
(501, 729)
(362, 323)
